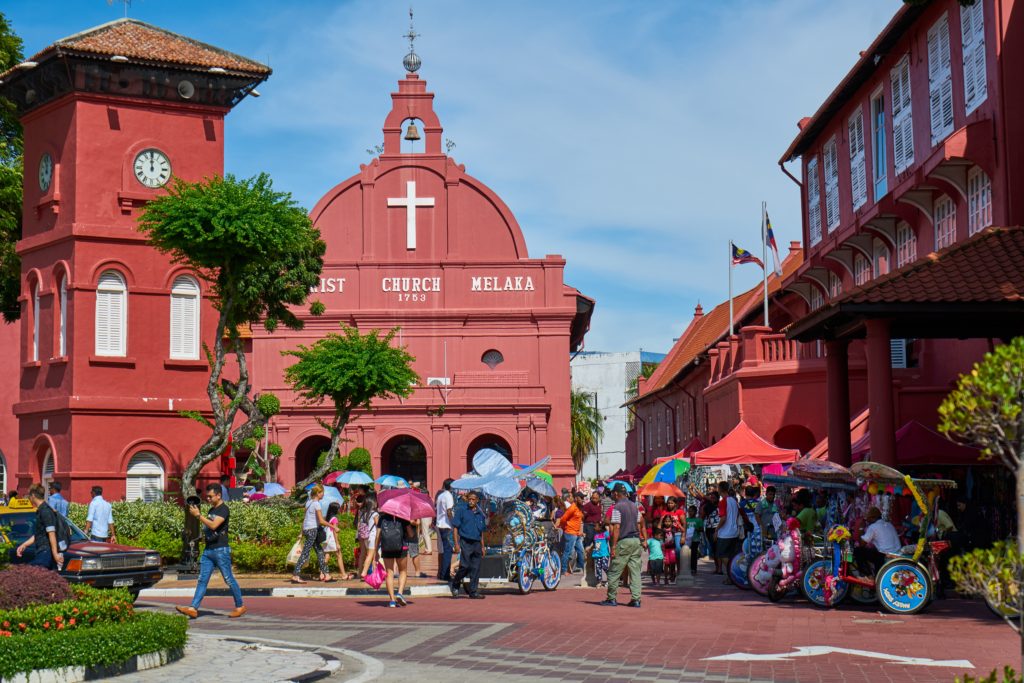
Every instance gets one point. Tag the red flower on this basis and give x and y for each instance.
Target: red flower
(60, 627)
(46, 624)
(22, 626)
(7, 624)
(71, 622)
(58, 618)
(5, 634)
(74, 610)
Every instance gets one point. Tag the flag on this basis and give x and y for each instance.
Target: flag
(743, 256)
(769, 238)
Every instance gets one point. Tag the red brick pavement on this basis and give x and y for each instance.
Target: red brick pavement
(678, 627)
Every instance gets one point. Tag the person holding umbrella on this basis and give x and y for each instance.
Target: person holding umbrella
(400, 512)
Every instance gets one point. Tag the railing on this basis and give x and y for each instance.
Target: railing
(756, 347)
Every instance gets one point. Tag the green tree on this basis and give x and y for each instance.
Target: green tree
(261, 255)
(350, 370)
(359, 459)
(587, 426)
(11, 147)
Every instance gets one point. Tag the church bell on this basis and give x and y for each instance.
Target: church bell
(413, 133)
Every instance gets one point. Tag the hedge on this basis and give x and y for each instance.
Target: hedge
(102, 645)
(90, 607)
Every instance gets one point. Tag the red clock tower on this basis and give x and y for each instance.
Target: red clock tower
(110, 329)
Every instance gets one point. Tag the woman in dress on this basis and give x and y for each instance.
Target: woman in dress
(311, 523)
(366, 532)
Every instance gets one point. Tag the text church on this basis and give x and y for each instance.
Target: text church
(110, 333)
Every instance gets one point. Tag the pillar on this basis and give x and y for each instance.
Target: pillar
(882, 420)
(837, 379)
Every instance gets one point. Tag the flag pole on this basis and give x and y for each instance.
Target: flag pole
(764, 257)
(730, 289)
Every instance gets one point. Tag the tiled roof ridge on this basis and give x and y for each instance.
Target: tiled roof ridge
(73, 42)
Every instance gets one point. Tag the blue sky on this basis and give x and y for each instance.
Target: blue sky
(633, 138)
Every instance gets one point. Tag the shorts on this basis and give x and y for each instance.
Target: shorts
(655, 567)
(727, 547)
(394, 554)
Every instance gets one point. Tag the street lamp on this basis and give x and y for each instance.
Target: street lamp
(597, 444)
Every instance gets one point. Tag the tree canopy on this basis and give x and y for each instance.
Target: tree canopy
(350, 370)
(586, 426)
(11, 147)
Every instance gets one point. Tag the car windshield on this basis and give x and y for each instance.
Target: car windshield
(22, 525)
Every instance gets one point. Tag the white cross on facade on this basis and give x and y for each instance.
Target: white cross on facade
(410, 201)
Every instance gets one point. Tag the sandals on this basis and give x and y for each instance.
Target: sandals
(296, 579)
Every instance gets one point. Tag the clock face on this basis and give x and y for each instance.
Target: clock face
(152, 168)
(45, 171)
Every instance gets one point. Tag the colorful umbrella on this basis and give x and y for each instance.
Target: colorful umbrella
(406, 503)
(661, 488)
(667, 472)
(618, 482)
(391, 481)
(352, 477)
(540, 474)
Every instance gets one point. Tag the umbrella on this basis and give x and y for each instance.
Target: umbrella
(618, 482)
(352, 477)
(408, 504)
(271, 489)
(667, 472)
(661, 488)
(541, 474)
(331, 495)
(541, 486)
(391, 481)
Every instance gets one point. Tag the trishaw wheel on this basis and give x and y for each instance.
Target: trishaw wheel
(903, 587)
(752, 570)
(738, 571)
(552, 571)
(863, 594)
(775, 592)
(525, 578)
(813, 585)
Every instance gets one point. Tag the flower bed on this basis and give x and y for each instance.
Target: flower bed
(88, 607)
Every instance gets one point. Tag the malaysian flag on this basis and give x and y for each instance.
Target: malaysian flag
(769, 238)
(743, 256)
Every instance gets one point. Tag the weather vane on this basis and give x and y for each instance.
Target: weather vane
(126, 3)
(411, 60)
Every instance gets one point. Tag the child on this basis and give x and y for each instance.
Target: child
(655, 556)
(600, 554)
(694, 532)
(669, 549)
(331, 545)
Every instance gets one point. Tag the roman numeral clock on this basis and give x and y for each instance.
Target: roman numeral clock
(152, 168)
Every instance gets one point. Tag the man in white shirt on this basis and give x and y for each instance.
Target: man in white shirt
(99, 522)
(879, 539)
(444, 507)
(728, 543)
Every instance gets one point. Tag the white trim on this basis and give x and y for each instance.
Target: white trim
(979, 201)
(62, 339)
(944, 218)
(906, 244)
(35, 322)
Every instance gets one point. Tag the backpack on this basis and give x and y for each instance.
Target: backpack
(61, 529)
(392, 536)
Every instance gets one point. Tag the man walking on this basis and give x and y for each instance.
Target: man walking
(56, 501)
(728, 543)
(626, 547)
(592, 514)
(49, 554)
(99, 522)
(444, 509)
(217, 553)
(468, 528)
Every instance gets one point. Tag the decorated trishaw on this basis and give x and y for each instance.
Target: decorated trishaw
(904, 584)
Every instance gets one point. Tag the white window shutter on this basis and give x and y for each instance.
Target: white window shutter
(813, 202)
(111, 309)
(940, 81)
(184, 330)
(972, 35)
(145, 478)
(898, 352)
(831, 185)
(35, 322)
(902, 117)
(63, 340)
(858, 169)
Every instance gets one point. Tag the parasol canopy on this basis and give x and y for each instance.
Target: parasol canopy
(826, 470)
(351, 477)
(331, 495)
(391, 481)
(541, 486)
(272, 488)
(612, 485)
(668, 472)
(661, 488)
(408, 504)
(743, 446)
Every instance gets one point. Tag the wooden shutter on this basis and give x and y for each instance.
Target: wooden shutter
(185, 318)
(940, 81)
(145, 478)
(35, 322)
(110, 315)
(972, 34)
(902, 117)
(858, 170)
(831, 158)
(898, 352)
(63, 340)
(813, 202)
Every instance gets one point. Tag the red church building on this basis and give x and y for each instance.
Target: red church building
(111, 331)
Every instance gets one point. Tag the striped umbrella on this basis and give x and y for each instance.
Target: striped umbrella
(667, 472)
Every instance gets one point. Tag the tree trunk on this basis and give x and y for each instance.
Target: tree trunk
(1020, 549)
(336, 433)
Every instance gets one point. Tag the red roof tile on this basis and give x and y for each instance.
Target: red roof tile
(143, 42)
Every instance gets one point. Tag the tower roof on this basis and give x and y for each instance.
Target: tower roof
(144, 43)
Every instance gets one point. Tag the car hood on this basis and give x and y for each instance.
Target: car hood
(98, 549)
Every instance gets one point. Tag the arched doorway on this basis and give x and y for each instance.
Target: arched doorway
(406, 457)
(307, 453)
(487, 441)
(795, 436)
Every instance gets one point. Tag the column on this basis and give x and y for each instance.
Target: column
(837, 379)
(882, 420)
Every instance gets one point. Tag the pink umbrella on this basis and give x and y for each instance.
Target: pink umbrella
(407, 504)
(332, 477)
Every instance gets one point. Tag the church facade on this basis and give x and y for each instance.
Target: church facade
(110, 331)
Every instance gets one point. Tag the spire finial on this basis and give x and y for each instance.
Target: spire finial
(411, 60)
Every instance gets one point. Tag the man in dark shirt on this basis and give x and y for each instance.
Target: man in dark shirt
(48, 553)
(468, 527)
(591, 516)
(626, 547)
(217, 553)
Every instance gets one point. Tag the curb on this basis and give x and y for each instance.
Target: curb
(431, 590)
(73, 674)
(330, 664)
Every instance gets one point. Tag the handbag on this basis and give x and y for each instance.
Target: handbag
(376, 577)
(293, 554)
(321, 535)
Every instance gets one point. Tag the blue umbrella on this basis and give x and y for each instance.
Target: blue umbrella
(354, 478)
(624, 484)
(392, 481)
(273, 489)
(331, 495)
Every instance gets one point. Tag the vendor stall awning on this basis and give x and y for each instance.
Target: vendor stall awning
(691, 448)
(742, 446)
(918, 445)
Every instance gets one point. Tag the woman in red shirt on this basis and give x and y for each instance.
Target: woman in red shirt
(676, 510)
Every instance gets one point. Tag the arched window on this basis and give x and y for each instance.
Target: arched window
(35, 321)
(185, 318)
(145, 480)
(111, 314)
(880, 259)
(835, 285)
(47, 469)
(817, 298)
(944, 218)
(62, 340)
(906, 245)
(861, 270)
(979, 201)
(3, 475)
(492, 358)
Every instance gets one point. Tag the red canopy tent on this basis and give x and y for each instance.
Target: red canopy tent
(742, 446)
(691, 448)
(918, 445)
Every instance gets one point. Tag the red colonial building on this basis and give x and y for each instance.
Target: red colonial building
(111, 332)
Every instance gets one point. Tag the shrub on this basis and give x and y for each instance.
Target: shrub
(103, 644)
(6, 547)
(1009, 676)
(167, 544)
(257, 522)
(23, 585)
(360, 459)
(90, 606)
(992, 574)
